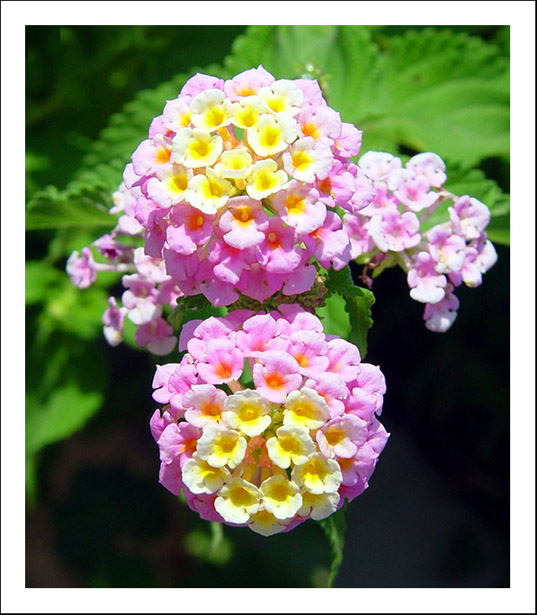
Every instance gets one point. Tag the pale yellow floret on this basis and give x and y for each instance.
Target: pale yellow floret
(318, 506)
(176, 180)
(283, 96)
(247, 411)
(237, 500)
(209, 192)
(318, 475)
(210, 110)
(271, 135)
(281, 497)
(234, 164)
(246, 113)
(201, 477)
(291, 444)
(305, 408)
(195, 148)
(265, 523)
(221, 446)
(265, 179)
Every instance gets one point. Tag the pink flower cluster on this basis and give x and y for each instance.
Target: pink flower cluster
(147, 290)
(267, 421)
(389, 231)
(236, 185)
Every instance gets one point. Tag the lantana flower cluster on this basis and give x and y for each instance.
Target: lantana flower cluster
(267, 421)
(148, 291)
(390, 230)
(237, 183)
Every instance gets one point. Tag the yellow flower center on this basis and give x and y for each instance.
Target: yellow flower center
(301, 160)
(295, 204)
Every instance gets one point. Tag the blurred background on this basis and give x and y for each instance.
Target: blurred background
(437, 510)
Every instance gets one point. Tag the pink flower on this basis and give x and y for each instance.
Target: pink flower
(395, 232)
(157, 335)
(342, 436)
(357, 229)
(310, 352)
(259, 333)
(447, 250)
(199, 83)
(81, 268)
(426, 284)
(276, 375)
(469, 217)
(411, 190)
(379, 165)
(114, 322)
(441, 315)
(330, 244)
(224, 362)
(244, 222)
(430, 166)
(278, 253)
(299, 207)
(248, 83)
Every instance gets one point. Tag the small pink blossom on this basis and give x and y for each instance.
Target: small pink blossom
(447, 249)
(81, 268)
(469, 217)
(157, 336)
(224, 362)
(276, 375)
(426, 285)
(114, 322)
(440, 316)
(395, 232)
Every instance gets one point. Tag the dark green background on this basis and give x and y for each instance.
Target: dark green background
(437, 511)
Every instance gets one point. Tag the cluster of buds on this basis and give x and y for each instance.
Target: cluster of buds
(266, 420)
(390, 230)
(237, 184)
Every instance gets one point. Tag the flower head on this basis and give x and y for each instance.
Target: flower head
(242, 162)
(269, 453)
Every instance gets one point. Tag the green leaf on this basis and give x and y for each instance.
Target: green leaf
(431, 89)
(357, 301)
(335, 319)
(86, 200)
(342, 57)
(81, 207)
(334, 527)
(39, 278)
(67, 410)
(473, 182)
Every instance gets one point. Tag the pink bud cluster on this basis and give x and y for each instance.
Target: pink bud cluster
(237, 183)
(390, 231)
(266, 420)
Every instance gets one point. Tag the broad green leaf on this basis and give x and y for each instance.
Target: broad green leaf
(342, 57)
(87, 198)
(66, 379)
(83, 207)
(66, 410)
(430, 90)
(334, 527)
(335, 319)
